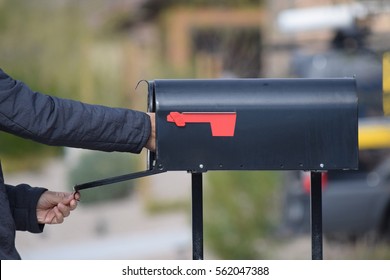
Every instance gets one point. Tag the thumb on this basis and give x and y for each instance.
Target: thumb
(68, 197)
(63, 197)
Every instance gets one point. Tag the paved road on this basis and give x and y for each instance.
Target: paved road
(117, 230)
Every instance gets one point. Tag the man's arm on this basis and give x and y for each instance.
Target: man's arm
(63, 122)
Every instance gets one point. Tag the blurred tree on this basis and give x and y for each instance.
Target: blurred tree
(42, 44)
(153, 7)
(47, 45)
(97, 165)
(240, 212)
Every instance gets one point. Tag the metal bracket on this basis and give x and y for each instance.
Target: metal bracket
(117, 179)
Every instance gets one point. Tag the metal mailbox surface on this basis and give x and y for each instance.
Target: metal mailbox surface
(255, 124)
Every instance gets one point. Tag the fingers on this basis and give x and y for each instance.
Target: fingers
(58, 213)
(69, 203)
(76, 195)
(59, 216)
(69, 199)
(65, 197)
(74, 201)
(54, 207)
(64, 210)
(73, 204)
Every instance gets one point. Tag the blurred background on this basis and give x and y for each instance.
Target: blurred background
(97, 51)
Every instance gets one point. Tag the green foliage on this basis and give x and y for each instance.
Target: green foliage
(15, 146)
(165, 206)
(19, 154)
(203, 3)
(36, 47)
(99, 165)
(238, 207)
(227, 3)
(41, 44)
(45, 44)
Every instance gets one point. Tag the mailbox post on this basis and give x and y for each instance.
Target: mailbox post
(197, 216)
(316, 215)
(252, 124)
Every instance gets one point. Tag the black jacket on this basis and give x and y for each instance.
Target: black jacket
(60, 122)
(18, 206)
(63, 122)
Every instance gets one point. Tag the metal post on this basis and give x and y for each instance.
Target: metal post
(197, 216)
(316, 215)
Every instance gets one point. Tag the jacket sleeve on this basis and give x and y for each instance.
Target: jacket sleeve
(63, 122)
(23, 200)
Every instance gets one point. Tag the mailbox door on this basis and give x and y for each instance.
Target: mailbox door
(255, 124)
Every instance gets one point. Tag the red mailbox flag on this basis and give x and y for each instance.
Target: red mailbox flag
(222, 123)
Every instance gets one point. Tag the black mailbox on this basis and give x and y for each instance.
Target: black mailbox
(251, 124)
(255, 124)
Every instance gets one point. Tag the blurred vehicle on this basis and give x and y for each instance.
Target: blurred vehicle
(356, 203)
(347, 56)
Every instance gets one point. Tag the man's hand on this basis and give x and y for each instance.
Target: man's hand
(53, 207)
(151, 144)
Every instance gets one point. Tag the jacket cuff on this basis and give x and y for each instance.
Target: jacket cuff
(23, 201)
(146, 131)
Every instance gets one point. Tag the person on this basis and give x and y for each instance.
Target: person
(59, 122)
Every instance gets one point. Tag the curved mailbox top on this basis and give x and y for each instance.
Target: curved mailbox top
(255, 124)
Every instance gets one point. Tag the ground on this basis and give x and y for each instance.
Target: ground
(124, 229)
